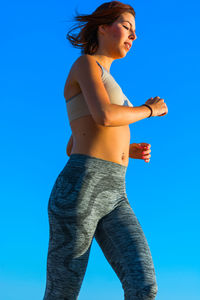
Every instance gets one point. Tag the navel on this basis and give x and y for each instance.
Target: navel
(123, 155)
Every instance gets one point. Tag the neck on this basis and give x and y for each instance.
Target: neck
(104, 60)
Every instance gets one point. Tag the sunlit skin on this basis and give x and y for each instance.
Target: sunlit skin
(140, 151)
(112, 38)
(136, 150)
(111, 47)
(123, 29)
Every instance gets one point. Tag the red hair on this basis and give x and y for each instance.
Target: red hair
(106, 13)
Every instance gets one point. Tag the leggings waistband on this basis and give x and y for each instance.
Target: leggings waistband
(95, 163)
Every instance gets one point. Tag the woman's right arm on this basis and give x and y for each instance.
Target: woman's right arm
(98, 102)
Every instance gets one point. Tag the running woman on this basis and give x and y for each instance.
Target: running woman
(88, 199)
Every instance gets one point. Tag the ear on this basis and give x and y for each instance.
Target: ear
(102, 28)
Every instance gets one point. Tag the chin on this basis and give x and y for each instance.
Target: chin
(119, 53)
(123, 54)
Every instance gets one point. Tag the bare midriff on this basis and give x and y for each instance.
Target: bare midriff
(90, 138)
(109, 143)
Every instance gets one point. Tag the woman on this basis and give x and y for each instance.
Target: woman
(89, 195)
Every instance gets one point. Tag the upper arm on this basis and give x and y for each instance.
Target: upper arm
(88, 76)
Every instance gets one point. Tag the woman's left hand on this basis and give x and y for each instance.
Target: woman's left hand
(140, 151)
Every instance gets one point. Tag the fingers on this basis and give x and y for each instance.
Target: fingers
(146, 152)
(146, 148)
(146, 156)
(158, 98)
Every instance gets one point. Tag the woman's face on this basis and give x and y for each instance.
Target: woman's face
(118, 35)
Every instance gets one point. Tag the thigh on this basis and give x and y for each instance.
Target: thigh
(71, 233)
(122, 240)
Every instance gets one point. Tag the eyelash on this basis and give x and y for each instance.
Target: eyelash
(125, 27)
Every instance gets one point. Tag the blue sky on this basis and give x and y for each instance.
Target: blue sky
(35, 59)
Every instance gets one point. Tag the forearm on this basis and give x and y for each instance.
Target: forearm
(117, 115)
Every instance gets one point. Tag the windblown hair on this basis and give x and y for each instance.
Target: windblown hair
(87, 38)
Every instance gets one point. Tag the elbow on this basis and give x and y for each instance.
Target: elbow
(106, 123)
(68, 151)
(103, 119)
(69, 147)
(106, 119)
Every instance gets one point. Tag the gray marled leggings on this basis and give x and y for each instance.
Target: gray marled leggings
(89, 200)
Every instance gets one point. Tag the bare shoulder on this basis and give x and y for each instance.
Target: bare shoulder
(84, 58)
(72, 87)
(86, 63)
(89, 78)
(81, 65)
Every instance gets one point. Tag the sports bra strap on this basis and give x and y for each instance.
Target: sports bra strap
(102, 68)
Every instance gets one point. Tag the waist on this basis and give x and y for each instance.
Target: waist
(107, 143)
(102, 166)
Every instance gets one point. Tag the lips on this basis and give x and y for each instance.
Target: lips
(128, 45)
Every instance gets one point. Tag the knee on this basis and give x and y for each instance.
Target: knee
(148, 292)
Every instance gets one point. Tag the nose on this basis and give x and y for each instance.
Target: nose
(134, 36)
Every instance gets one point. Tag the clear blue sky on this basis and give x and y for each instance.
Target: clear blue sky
(35, 59)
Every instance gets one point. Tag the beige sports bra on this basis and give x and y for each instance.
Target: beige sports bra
(77, 107)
